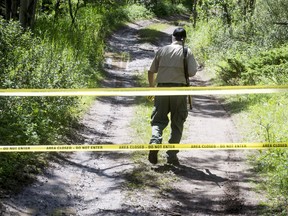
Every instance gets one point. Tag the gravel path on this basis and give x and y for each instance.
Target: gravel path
(215, 182)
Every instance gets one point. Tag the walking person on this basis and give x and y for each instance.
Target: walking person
(169, 69)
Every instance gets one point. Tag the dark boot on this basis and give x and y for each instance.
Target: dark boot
(153, 158)
(172, 158)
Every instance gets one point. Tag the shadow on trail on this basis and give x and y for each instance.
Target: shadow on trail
(54, 196)
(193, 201)
(84, 134)
(190, 173)
(155, 37)
(198, 205)
(123, 101)
(207, 106)
(63, 159)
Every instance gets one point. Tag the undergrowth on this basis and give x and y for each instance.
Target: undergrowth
(137, 12)
(269, 118)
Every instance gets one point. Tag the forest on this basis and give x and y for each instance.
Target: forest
(61, 44)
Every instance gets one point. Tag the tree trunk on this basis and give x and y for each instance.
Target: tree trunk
(248, 8)
(57, 8)
(194, 12)
(14, 9)
(27, 12)
(227, 13)
(245, 9)
(7, 9)
(252, 6)
(73, 16)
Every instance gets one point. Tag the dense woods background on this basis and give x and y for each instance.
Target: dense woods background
(61, 43)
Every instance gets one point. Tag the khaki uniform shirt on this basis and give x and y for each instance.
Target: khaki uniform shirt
(168, 64)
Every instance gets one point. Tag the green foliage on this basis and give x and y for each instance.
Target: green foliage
(85, 40)
(137, 11)
(253, 30)
(267, 15)
(273, 164)
(28, 63)
(19, 169)
(270, 118)
(231, 71)
(165, 8)
(205, 40)
(267, 67)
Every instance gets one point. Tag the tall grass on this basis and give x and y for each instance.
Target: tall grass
(269, 119)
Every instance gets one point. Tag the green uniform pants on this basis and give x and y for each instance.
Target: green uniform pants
(177, 107)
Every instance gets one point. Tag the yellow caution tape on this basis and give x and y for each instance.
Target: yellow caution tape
(216, 90)
(143, 147)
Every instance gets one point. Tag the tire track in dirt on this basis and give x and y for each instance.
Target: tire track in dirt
(91, 183)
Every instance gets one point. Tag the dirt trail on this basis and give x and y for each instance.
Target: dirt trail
(95, 183)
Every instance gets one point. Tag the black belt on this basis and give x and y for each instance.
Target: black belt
(171, 84)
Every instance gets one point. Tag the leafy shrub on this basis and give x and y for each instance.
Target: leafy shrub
(271, 67)
(268, 13)
(18, 169)
(270, 117)
(27, 63)
(85, 41)
(273, 165)
(136, 12)
(231, 71)
(267, 67)
(207, 40)
(165, 8)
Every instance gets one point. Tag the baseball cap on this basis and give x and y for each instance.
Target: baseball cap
(179, 34)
